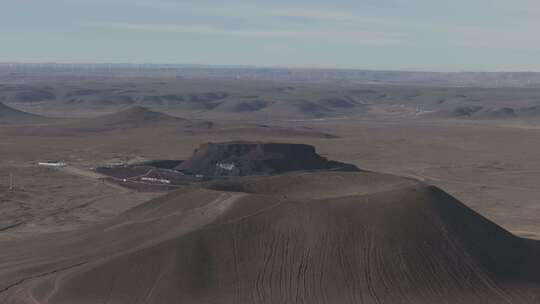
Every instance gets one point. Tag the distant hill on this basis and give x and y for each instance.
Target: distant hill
(480, 112)
(140, 118)
(264, 130)
(132, 117)
(9, 115)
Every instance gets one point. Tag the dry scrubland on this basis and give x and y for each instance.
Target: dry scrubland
(492, 168)
(67, 237)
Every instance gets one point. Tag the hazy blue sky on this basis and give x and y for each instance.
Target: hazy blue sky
(487, 35)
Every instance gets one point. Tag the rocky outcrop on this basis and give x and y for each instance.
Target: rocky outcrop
(253, 158)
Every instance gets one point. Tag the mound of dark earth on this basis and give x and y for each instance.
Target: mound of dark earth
(250, 158)
(324, 237)
(9, 115)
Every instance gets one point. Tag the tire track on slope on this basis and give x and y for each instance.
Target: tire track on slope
(24, 280)
(6, 228)
(234, 240)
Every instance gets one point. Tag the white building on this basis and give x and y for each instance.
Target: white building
(156, 180)
(226, 166)
(56, 164)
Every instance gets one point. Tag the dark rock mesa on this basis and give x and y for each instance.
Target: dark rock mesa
(253, 158)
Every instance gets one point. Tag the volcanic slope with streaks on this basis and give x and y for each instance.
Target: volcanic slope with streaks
(324, 237)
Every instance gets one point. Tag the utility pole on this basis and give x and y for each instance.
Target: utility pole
(11, 187)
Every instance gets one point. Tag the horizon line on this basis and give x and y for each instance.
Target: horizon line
(276, 67)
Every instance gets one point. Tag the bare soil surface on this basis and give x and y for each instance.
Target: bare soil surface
(391, 240)
(68, 236)
(47, 200)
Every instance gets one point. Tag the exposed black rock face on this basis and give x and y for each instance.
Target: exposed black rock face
(252, 158)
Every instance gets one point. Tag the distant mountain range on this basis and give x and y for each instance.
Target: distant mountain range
(491, 79)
